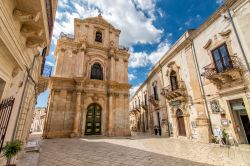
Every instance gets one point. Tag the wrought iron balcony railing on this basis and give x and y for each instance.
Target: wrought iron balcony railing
(154, 99)
(221, 74)
(144, 105)
(178, 93)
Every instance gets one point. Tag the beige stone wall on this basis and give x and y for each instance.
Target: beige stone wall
(20, 42)
(194, 103)
(215, 32)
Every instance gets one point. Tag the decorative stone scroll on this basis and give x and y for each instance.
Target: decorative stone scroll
(209, 42)
(225, 33)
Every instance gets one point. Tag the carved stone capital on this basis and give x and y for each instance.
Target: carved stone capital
(126, 95)
(75, 51)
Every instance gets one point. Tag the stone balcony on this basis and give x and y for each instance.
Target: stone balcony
(154, 100)
(144, 105)
(225, 77)
(43, 81)
(176, 94)
(136, 109)
(36, 21)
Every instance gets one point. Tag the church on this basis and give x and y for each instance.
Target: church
(89, 92)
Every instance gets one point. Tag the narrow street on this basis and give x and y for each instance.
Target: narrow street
(137, 151)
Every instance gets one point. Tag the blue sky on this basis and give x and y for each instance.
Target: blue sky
(149, 27)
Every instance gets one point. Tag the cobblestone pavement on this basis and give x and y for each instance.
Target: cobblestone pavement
(99, 151)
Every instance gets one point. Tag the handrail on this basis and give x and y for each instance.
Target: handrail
(168, 89)
(210, 70)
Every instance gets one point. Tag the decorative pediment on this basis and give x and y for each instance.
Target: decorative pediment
(225, 33)
(209, 42)
(97, 20)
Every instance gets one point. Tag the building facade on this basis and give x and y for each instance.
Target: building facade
(38, 120)
(204, 79)
(25, 34)
(89, 89)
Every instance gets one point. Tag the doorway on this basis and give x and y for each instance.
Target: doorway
(93, 120)
(241, 119)
(180, 123)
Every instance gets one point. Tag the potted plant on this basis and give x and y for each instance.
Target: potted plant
(11, 149)
(225, 136)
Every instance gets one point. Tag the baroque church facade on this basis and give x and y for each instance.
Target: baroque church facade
(89, 92)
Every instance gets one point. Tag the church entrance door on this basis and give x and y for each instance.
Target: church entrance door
(93, 120)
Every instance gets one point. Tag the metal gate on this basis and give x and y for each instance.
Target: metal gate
(6, 106)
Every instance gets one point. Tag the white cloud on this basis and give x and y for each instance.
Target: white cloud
(133, 90)
(219, 1)
(49, 63)
(188, 22)
(180, 28)
(136, 23)
(142, 59)
(131, 76)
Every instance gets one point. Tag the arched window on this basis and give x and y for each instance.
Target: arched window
(98, 36)
(96, 72)
(173, 80)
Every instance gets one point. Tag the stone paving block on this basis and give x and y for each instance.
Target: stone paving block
(146, 152)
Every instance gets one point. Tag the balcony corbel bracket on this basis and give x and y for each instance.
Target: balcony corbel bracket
(25, 16)
(33, 43)
(29, 31)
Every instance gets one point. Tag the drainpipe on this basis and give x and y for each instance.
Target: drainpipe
(201, 86)
(165, 100)
(238, 39)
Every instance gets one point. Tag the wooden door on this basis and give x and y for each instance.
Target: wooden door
(93, 120)
(181, 126)
(246, 125)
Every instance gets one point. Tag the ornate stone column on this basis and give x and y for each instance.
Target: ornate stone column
(112, 64)
(110, 114)
(75, 132)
